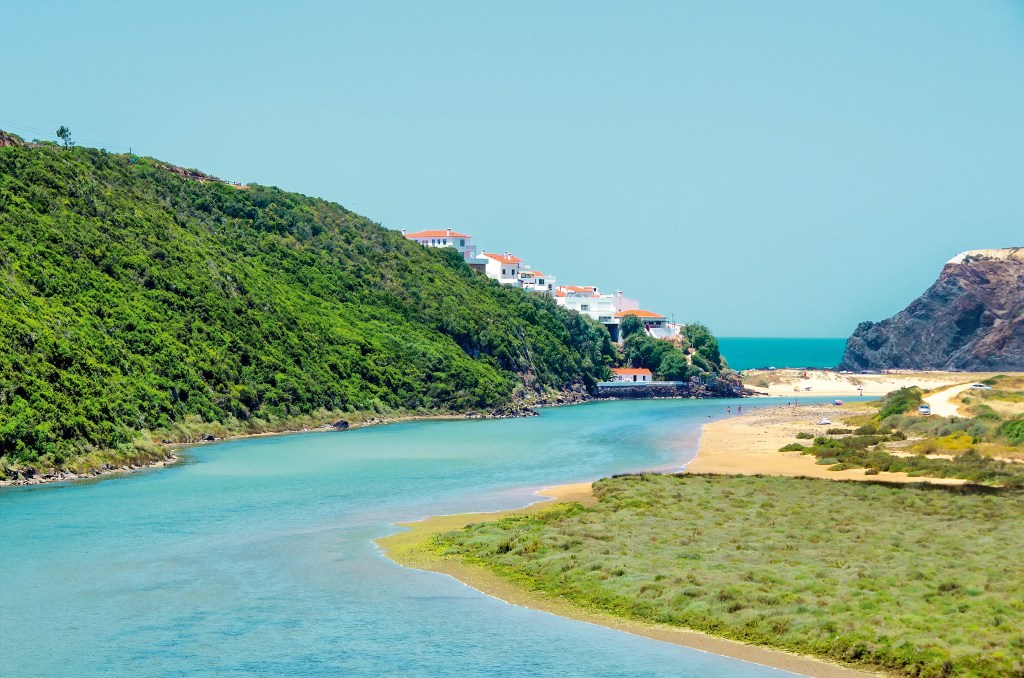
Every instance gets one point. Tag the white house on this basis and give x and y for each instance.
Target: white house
(537, 281)
(504, 268)
(444, 238)
(632, 375)
(586, 299)
(655, 324)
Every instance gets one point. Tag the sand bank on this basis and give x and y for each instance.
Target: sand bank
(788, 383)
(408, 548)
(749, 444)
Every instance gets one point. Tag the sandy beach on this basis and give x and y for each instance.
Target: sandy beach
(407, 549)
(789, 383)
(749, 444)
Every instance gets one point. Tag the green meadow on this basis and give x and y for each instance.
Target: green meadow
(913, 580)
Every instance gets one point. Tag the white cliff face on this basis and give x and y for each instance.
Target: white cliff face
(1003, 254)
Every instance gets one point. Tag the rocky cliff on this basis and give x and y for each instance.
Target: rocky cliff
(972, 319)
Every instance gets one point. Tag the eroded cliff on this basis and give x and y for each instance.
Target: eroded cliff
(972, 319)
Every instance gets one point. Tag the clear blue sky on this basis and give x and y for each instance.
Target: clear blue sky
(769, 168)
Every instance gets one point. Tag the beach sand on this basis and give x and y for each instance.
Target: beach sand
(408, 549)
(788, 383)
(749, 444)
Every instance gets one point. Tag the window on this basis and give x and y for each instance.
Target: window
(462, 242)
(584, 307)
(445, 241)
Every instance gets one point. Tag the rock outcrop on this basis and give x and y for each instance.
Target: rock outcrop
(971, 319)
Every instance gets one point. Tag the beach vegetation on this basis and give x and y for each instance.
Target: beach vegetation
(900, 401)
(928, 586)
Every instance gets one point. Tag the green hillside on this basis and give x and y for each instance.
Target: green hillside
(136, 304)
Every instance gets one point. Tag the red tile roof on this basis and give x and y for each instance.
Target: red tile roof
(640, 314)
(444, 233)
(623, 371)
(510, 259)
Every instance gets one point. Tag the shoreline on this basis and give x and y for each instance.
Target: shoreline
(748, 444)
(406, 548)
(171, 458)
(521, 411)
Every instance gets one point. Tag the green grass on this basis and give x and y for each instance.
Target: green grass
(917, 581)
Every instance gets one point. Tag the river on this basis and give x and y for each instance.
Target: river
(256, 556)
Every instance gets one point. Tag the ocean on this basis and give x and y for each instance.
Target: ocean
(748, 353)
(256, 556)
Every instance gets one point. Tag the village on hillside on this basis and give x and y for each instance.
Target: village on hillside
(606, 308)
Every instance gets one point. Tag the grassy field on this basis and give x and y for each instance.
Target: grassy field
(913, 580)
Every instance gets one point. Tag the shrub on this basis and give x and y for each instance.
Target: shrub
(901, 401)
(1013, 430)
(803, 435)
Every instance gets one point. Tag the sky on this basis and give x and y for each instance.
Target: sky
(778, 168)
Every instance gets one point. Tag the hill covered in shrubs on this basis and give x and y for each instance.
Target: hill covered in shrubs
(138, 304)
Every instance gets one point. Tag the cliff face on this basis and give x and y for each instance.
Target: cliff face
(971, 319)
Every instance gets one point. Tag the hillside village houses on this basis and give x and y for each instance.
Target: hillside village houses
(508, 269)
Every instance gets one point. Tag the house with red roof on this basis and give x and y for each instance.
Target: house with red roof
(444, 237)
(635, 375)
(537, 281)
(504, 268)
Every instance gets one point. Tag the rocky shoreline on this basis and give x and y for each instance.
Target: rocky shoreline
(29, 476)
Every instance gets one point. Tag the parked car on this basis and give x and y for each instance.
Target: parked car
(981, 387)
(925, 410)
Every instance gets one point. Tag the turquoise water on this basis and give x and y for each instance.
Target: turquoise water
(748, 353)
(256, 556)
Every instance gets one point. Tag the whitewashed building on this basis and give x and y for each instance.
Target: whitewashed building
(504, 268)
(444, 238)
(537, 281)
(449, 238)
(586, 299)
(632, 375)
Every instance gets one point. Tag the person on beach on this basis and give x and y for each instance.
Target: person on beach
(728, 410)
(739, 409)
